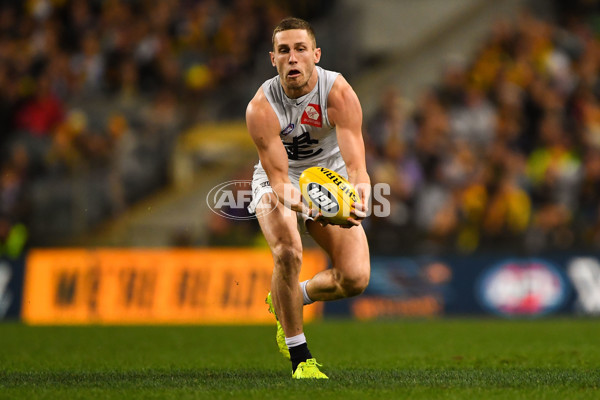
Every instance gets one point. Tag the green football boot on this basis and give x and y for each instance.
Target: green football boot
(309, 369)
(280, 336)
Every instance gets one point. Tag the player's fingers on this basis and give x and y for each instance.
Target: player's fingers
(318, 216)
(352, 221)
(359, 214)
(364, 192)
(359, 210)
(323, 222)
(359, 206)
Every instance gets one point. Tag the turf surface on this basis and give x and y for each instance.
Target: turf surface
(446, 359)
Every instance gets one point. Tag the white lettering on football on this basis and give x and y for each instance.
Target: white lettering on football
(322, 198)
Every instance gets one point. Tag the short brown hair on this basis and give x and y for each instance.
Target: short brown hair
(289, 23)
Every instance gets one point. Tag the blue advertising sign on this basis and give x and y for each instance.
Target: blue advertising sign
(11, 287)
(501, 285)
(401, 287)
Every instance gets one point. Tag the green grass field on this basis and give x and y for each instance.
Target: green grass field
(447, 359)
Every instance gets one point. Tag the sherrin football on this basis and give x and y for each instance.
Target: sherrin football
(329, 192)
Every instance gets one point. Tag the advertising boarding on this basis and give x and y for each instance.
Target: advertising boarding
(228, 286)
(504, 286)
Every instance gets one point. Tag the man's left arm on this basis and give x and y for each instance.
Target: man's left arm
(345, 112)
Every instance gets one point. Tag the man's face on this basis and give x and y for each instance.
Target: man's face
(295, 57)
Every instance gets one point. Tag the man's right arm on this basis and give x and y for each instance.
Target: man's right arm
(263, 126)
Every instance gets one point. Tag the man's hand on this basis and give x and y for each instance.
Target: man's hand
(359, 210)
(318, 216)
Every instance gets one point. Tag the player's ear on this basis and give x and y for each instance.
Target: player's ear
(272, 55)
(317, 55)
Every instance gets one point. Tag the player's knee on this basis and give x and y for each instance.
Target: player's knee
(354, 283)
(287, 257)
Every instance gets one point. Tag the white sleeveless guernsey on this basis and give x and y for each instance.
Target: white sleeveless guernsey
(309, 138)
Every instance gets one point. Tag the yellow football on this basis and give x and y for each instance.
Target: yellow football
(329, 192)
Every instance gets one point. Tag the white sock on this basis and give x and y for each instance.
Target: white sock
(306, 299)
(295, 340)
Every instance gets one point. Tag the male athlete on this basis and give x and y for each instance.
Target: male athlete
(306, 116)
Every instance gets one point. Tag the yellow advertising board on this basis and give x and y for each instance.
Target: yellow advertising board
(154, 286)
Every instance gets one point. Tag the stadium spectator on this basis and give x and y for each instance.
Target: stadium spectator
(587, 217)
(503, 147)
(42, 113)
(13, 238)
(70, 69)
(506, 142)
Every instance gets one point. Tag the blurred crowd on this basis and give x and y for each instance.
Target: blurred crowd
(95, 92)
(503, 153)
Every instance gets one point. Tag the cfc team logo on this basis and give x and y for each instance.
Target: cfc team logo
(312, 115)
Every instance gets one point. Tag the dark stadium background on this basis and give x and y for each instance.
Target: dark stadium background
(118, 117)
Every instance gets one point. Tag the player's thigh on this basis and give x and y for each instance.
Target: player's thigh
(348, 248)
(279, 226)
